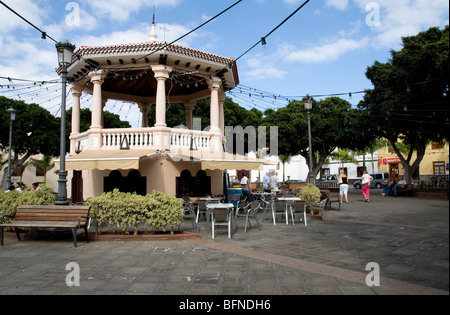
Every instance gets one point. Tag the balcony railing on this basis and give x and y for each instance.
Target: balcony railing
(141, 139)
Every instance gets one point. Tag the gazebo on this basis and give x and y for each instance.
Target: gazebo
(175, 161)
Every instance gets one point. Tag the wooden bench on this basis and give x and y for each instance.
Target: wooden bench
(408, 190)
(53, 217)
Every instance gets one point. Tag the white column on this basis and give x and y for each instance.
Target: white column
(95, 133)
(190, 106)
(77, 91)
(214, 86)
(161, 75)
(145, 108)
(97, 78)
(222, 113)
(216, 137)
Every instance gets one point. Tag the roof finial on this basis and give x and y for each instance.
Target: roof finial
(153, 35)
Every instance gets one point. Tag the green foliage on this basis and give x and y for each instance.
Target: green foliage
(9, 201)
(165, 211)
(311, 194)
(125, 210)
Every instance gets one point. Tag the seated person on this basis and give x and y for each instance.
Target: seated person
(400, 185)
(388, 187)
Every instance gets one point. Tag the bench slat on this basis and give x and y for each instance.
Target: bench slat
(42, 224)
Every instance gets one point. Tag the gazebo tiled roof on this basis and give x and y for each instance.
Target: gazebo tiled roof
(126, 57)
(150, 47)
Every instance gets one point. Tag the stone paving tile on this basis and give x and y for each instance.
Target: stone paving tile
(409, 240)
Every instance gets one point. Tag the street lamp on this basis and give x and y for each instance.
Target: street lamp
(12, 117)
(65, 53)
(308, 102)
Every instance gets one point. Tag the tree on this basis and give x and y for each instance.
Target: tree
(44, 165)
(35, 131)
(333, 123)
(409, 102)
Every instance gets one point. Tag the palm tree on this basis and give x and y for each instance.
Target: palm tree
(344, 157)
(284, 159)
(44, 165)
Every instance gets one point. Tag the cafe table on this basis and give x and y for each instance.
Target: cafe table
(289, 199)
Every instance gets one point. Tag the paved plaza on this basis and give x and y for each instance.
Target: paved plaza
(407, 238)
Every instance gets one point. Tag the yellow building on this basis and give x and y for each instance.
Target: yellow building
(435, 161)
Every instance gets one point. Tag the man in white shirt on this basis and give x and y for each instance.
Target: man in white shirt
(274, 181)
(400, 185)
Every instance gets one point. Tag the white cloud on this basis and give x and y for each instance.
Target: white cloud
(139, 34)
(120, 10)
(34, 61)
(262, 67)
(323, 53)
(337, 4)
(405, 18)
(29, 9)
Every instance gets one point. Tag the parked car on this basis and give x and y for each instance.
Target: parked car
(329, 178)
(379, 181)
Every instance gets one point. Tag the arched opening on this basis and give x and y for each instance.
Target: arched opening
(133, 183)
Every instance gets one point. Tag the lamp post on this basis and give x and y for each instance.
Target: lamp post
(308, 102)
(65, 52)
(12, 117)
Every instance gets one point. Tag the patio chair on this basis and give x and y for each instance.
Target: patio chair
(267, 203)
(241, 205)
(189, 213)
(221, 217)
(250, 212)
(299, 208)
(201, 209)
(321, 207)
(280, 209)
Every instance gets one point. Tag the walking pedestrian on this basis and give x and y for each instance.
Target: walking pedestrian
(343, 186)
(366, 179)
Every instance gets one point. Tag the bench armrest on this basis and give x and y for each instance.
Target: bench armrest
(88, 220)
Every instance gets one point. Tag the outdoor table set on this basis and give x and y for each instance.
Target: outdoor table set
(225, 214)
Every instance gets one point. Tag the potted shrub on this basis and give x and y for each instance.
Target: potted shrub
(311, 194)
(284, 188)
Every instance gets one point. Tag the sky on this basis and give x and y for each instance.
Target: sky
(324, 49)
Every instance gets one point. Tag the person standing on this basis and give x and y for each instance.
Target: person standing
(246, 188)
(343, 186)
(274, 182)
(366, 179)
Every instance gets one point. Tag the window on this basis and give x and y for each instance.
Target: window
(360, 171)
(439, 168)
(437, 145)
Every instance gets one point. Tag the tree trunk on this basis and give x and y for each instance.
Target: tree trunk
(410, 169)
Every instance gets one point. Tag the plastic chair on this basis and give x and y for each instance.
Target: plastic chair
(250, 212)
(221, 217)
(267, 203)
(322, 208)
(201, 209)
(189, 213)
(280, 209)
(299, 207)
